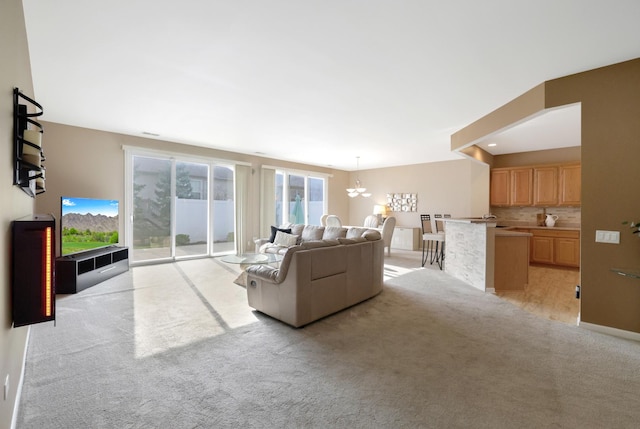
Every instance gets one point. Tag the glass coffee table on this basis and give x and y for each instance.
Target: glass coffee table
(252, 258)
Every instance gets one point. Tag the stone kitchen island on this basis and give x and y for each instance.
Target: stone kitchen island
(486, 257)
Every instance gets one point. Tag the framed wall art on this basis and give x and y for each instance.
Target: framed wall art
(401, 202)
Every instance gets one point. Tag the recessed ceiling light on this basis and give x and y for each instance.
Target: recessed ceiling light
(147, 133)
(492, 144)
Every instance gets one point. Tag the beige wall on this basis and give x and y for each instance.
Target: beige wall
(610, 98)
(551, 156)
(15, 71)
(459, 188)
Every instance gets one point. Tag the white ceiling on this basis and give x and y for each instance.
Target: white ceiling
(551, 129)
(315, 81)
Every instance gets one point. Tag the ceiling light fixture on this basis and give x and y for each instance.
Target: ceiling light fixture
(358, 189)
(492, 144)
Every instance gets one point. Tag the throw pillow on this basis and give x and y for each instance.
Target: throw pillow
(276, 229)
(284, 239)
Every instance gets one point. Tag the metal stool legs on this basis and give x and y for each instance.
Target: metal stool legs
(427, 250)
(438, 255)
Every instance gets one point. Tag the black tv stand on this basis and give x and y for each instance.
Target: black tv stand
(85, 269)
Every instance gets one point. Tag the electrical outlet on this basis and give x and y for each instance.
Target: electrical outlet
(6, 387)
(612, 237)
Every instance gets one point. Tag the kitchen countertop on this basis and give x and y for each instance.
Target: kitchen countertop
(509, 225)
(489, 222)
(504, 232)
(505, 226)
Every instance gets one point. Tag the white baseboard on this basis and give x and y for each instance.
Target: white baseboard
(629, 335)
(16, 404)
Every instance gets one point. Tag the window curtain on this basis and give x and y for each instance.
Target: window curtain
(243, 176)
(267, 201)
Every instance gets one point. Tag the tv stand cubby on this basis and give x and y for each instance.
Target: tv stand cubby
(82, 270)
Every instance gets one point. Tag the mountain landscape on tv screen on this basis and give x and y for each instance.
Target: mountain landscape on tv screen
(91, 222)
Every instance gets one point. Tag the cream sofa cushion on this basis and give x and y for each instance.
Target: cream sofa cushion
(311, 232)
(333, 232)
(284, 239)
(354, 232)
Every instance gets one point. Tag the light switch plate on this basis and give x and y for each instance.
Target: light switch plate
(612, 237)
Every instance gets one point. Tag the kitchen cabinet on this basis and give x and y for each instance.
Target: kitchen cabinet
(511, 269)
(545, 186)
(539, 185)
(500, 187)
(555, 247)
(511, 187)
(542, 249)
(570, 187)
(521, 186)
(566, 252)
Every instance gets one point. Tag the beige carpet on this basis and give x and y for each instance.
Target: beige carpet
(175, 346)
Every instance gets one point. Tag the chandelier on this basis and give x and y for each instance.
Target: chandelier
(358, 189)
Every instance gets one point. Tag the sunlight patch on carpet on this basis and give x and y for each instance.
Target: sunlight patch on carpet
(393, 271)
(169, 313)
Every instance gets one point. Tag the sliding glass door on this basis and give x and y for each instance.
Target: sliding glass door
(223, 209)
(191, 209)
(172, 216)
(151, 223)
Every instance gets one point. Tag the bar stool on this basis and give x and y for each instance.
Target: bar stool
(428, 239)
(440, 227)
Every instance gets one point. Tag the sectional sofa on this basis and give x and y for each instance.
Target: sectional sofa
(327, 270)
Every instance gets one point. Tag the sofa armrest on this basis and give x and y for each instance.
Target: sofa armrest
(272, 274)
(265, 272)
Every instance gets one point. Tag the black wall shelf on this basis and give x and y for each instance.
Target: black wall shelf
(29, 171)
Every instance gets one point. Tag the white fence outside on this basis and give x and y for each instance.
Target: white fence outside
(191, 219)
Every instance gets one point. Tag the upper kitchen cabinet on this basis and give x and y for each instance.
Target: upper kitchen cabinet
(521, 186)
(500, 187)
(545, 188)
(511, 187)
(538, 186)
(570, 185)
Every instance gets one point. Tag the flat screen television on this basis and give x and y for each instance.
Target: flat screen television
(87, 223)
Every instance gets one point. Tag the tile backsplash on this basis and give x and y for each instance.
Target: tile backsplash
(567, 216)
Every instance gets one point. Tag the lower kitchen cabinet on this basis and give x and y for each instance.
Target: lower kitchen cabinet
(511, 269)
(555, 247)
(542, 250)
(567, 251)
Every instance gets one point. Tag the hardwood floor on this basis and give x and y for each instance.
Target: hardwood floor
(550, 293)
